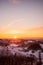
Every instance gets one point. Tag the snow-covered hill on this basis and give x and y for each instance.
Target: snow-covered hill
(13, 49)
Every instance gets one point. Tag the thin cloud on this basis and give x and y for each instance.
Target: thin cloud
(14, 1)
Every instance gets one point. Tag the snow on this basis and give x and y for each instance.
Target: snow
(19, 51)
(13, 48)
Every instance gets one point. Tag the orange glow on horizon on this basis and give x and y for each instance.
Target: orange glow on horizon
(31, 33)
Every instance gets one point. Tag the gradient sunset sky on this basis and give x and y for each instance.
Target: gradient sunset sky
(21, 18)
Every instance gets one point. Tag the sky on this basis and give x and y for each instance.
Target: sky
(21, 18)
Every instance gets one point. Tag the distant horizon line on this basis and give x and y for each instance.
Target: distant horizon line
(22, 38)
